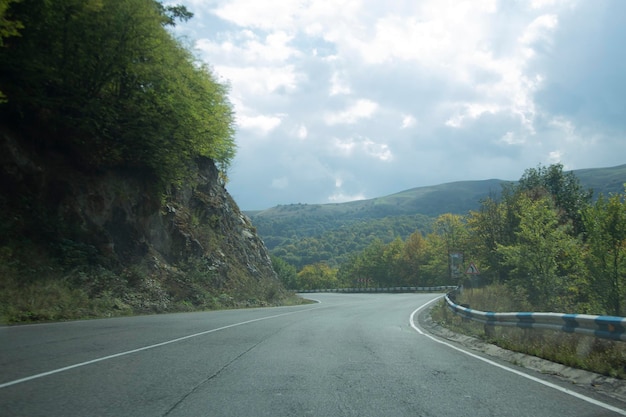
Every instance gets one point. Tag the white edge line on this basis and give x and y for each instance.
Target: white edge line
(128, 352)
(515, 371)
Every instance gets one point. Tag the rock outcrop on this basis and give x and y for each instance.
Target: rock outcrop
(116, 232)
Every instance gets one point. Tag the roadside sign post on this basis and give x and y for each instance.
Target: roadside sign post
(472, 269)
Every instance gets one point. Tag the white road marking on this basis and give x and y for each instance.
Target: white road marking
(515, 371)
(128, 352)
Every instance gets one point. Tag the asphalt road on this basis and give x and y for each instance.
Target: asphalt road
(350, 355)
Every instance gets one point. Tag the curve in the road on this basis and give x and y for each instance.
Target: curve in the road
(508, 369)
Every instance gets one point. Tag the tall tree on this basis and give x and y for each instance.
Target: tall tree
(8, 27)
(286, 273)
(605, 223)
(436, 267)
(317, 276)
(392, 261)
(487, 228)
(545, 256)
(453, 231)
(565, 189)
(413, 257)
(113, 87)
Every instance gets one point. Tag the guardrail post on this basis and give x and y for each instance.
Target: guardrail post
(490, 330)
(463, 318)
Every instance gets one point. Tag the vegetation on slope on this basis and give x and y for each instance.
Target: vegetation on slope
(305, 234)
(110, 131)
(606, 357)
(341, 240)
(544, 237)
(110, 85)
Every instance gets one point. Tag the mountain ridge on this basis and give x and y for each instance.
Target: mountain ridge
(601, 180)
(308, 233)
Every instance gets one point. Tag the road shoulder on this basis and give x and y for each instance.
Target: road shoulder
(612, 387)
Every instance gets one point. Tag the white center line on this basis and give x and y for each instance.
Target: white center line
(128, 352)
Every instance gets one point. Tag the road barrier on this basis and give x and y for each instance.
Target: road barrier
(605, 327)
(384, 289)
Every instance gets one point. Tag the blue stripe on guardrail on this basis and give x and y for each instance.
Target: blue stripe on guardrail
(379, 289)
(605, 327)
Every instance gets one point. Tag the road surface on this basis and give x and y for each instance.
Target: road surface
(349, 355)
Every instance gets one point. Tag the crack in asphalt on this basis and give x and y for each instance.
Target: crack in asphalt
(209, 378)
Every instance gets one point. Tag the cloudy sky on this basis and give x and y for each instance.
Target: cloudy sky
(338, 100)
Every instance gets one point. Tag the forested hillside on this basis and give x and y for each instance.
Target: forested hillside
(545, 238)
(109, 84)
(303, 234)
(114, 148)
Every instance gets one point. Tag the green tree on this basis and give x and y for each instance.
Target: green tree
(113, 87)
(413, 257)
(371, 266)
(8, 27)
(392, 261)
(286, 273)
(436, 267)
(317, 276)
(486, 228)
(545, 258)
(564, 188)
(605, 223)
(453, 232)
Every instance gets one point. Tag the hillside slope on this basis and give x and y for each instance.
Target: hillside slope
(455, 197)
(308, 233)
(85, 244)
(115, 142)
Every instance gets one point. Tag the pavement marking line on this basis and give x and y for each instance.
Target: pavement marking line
(128, 352)
(515, 371)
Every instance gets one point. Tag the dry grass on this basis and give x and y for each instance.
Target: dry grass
(601, 356)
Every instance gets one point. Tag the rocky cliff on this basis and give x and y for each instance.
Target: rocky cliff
(116, 242)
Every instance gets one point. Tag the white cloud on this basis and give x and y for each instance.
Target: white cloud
(564, 125)
(302, 132)
(341, 197)
(247, 47)
(408, 121)
(341, 87)
(267, 14)
(343, 147)
(511, 138)
(555, 156)
(262, 124)
(379, 151)
(280, 183)
(539, 30)
(259, 80)
(470, 111)
(361, 109)
(540, 4)
(338, 85)
(361, 146)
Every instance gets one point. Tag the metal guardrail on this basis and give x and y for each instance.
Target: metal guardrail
(384, 289)
(605, 327)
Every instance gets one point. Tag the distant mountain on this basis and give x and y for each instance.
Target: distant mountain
(306, 233)
(603, 180)
(454, 197)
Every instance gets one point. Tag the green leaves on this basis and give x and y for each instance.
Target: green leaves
(537, 256)
(605, 223)
(114, 87)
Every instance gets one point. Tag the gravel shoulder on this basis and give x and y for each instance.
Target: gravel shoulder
(615, 388)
